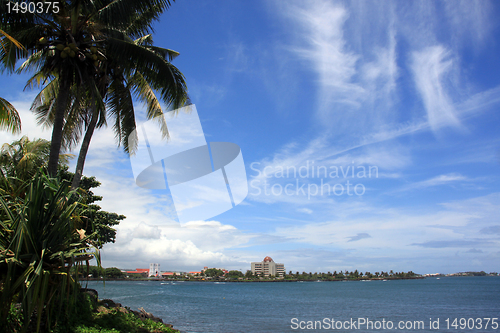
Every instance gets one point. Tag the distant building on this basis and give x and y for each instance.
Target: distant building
(142, 271)
(268, 267)
(154, 269)
(224, 271)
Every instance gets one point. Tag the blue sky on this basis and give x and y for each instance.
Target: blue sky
(410, 90)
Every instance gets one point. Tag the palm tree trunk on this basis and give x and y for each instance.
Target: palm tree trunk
(84, 149)
(57, 130)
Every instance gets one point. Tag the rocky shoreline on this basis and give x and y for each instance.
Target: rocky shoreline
(106, 305)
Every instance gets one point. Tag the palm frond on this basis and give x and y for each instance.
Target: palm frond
(121, 13)
(146, 94)
(9, 118)
(162, 75)
(121, 108)
(12, 40)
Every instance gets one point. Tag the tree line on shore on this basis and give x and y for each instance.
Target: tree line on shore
(235, 275)
(329, 276)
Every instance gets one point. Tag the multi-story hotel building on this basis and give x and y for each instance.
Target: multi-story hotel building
(268, 267)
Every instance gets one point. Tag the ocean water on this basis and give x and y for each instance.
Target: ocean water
(448, 304)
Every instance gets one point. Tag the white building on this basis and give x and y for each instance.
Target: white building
(268, 267)
(154, 270)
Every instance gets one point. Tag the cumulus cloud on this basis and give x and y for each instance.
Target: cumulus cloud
(147, 232)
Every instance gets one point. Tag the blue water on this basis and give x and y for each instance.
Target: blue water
(270, 307)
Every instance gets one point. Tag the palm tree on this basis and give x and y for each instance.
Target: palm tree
(80, 44)
(117, 85)
(21, 160)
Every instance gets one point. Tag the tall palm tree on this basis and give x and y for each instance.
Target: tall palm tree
(118, 85)
(84, 43)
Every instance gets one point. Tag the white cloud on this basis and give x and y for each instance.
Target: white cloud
(324, 46)
(424, 239)
(188, 246)
(451, 178)
(305, 210)
(146, 231)
(430, 69)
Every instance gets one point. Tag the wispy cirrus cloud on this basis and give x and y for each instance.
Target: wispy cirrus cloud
(447, 179)
(305, 210)
(430, 67)
(325, 48)
(458, 243)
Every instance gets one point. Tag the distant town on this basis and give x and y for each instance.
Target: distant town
(266, 270)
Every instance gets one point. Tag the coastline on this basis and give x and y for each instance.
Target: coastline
(109, 307)
(246, 281)
(229, 307)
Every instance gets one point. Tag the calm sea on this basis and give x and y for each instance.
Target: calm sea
(363, 306)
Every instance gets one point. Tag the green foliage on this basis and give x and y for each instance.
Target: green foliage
(113, 272)
(14, 320)
(21, 160)
(115, 320)
(9, 118)
(39, 244)
(234, 274)
(95, 221)
(213, 272)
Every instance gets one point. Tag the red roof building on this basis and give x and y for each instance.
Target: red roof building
(139, 271)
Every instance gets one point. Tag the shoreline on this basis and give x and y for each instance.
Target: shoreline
(247, 281)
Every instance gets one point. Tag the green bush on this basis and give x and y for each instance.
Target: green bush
(39, 243)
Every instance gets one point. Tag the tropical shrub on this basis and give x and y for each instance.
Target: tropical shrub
(40, 240)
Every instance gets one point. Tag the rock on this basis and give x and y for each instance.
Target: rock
(91, 292)
(142, 314)
(109, 303)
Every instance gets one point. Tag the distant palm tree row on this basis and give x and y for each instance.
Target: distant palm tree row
(91, 58)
